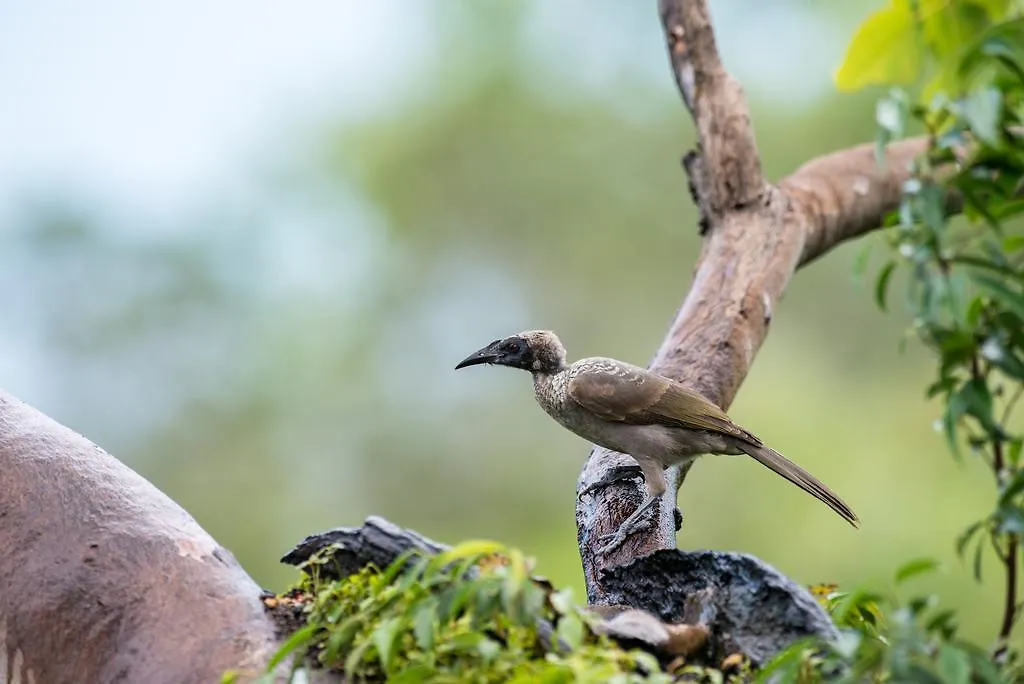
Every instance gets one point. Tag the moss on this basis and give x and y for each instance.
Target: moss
(471, 614)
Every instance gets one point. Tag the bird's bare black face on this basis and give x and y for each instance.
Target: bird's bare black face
(514, 352)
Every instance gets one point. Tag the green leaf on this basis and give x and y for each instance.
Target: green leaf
(965, 537)
(384, 638)
(919, 604)
(891, 115)
(1013, 243)
(1002, 44)
(940, 386)
(570, 630)
(931, 207)
(562, 601)
(1013, 450)
(954, 666)
(1000, 293)
(977, 560)
(974, 399)
(785, 665)
(417, 573)
(860, 262)
(919, 566)
(462, 597)
(423, 625)
(916, 674)
(489, 649)
(949, 419)
(974, 311)
(469, 550)
(1014, 487)
(883, 50)
(999, 356)
(882, 284)
(301, 637)
(957, 347)
(1010, 520)
(341, 637)
(356, 656)
(948, 26)
(943, 622)
(486, 605)
(854, 602)
(987, 264)
(983, 110)
(414, 674)
(985, 671)
(397, 565)
(465, 642)
(995, 9)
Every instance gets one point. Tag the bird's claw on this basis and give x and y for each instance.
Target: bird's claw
(639, 520)
(619, 536)
(616, 474)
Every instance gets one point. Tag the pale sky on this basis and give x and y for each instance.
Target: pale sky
(148, 105)
(162, 100)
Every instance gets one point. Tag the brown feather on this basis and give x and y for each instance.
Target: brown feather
(781, 465)
(633, 395)
(620, 392)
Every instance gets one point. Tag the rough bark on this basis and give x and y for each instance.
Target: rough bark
(756, 235)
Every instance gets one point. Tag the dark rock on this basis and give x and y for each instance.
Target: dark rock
(747, 606)
(377, 542)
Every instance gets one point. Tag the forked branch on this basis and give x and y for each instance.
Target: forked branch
(758, 234)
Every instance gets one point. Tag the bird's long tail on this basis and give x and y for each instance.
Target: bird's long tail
(801, 478)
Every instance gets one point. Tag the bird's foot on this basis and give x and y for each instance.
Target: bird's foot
(616, 474)
(619, 536)
(636, 522)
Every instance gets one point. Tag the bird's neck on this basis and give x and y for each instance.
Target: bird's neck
(549, 388)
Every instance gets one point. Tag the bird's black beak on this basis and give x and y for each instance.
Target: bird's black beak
(488, 354)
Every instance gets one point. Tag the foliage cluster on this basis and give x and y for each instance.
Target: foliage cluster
(883, 638)
(470, 614)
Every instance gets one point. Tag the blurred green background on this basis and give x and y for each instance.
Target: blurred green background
(243, 247)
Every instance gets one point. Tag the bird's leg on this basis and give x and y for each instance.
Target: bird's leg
(654, 477)
(616, 474)
(634, 523)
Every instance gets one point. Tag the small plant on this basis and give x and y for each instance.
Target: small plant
(886, 639)
(470, 614)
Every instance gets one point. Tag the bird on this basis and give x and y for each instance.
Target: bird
(655, 420)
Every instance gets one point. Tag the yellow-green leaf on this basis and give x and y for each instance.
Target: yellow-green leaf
(469, 549)
(996, 9)
(883, 51)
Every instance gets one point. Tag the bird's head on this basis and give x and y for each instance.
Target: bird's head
(538, 351)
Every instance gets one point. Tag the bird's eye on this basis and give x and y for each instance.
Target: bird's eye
(512, 348)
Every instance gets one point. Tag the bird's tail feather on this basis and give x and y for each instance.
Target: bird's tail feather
(775, 461)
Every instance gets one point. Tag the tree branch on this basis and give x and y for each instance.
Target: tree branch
(758, 236)
(106, 579)
(732, 166)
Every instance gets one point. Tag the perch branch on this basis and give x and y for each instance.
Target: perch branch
(757, 236)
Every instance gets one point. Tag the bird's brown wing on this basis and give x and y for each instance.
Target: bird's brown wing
(625, 393)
